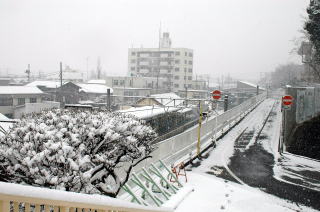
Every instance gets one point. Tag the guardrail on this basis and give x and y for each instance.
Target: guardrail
(21, 198)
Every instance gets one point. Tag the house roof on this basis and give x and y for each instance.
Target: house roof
(97, 81)
(149, 111)
(168, 99)
(251, 84)
(19, 90)
(45, 83)
(94, 88)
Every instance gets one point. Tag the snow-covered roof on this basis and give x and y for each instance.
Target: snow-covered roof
(45, 83)
(168, 99)
(252, 84)
(19, 90)
(248, 83)
(94, 88)
(98, 81)
(149, 111)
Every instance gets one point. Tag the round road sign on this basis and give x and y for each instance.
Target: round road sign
(287, 100)
(216, 94)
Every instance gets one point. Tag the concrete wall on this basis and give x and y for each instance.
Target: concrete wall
(306, 105)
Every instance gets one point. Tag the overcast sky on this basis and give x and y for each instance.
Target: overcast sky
(236, 37)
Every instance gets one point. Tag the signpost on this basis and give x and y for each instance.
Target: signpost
(287, 101)
(216, 94)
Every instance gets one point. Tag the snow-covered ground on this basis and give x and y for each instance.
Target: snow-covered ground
(215, 194)
(212, 193)
(298, 171)
(225, 146)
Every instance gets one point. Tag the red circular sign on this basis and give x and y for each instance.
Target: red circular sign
(216, 94)
(287, 100)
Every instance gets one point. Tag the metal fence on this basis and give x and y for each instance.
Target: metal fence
(181, 145)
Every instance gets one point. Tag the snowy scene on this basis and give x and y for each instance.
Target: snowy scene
(159, 106)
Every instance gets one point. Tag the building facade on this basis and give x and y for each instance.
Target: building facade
(173, 64)
(18, 100)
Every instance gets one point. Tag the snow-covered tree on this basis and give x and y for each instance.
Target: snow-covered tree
(88, 152)
(312, 27)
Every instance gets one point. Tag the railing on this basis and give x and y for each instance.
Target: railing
(18, 198)
(173, 149)
(182, 147)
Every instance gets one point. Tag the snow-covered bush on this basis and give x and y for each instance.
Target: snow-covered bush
(88, 152)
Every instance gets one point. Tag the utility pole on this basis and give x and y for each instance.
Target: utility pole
(159, 56)
(108, 99)
(87, 68)
(60, 75)
(98, 69)
(28, 72)
(199, 130)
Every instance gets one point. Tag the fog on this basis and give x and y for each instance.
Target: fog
(238, 37)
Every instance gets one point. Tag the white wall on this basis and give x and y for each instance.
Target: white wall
(34, 108)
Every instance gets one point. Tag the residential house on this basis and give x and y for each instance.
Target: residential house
(18, 100)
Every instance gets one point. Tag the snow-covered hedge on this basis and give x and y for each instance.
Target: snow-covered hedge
(74, 151)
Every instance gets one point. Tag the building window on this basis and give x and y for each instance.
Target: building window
(121, 82)
(185, 54)
(115, 82)
(190, 54)
(133, 68)
(133, 53)
(177, 61)
(176, 85)
(176, 69)
(176, 77)
(189, 77)
(190, 62)
(6, 101)
(177, 53)
(133, 61)
(185, 77)
(189, 85)
(190, 70)
(33, 100)
(21, 101)
(185, 61)
(185, 69)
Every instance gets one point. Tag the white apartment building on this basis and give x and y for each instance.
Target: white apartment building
(173, 64)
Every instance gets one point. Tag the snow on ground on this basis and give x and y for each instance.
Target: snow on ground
(298, 170)
(214, 194)
(272, 130)
(225, 148)
(289, 168)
